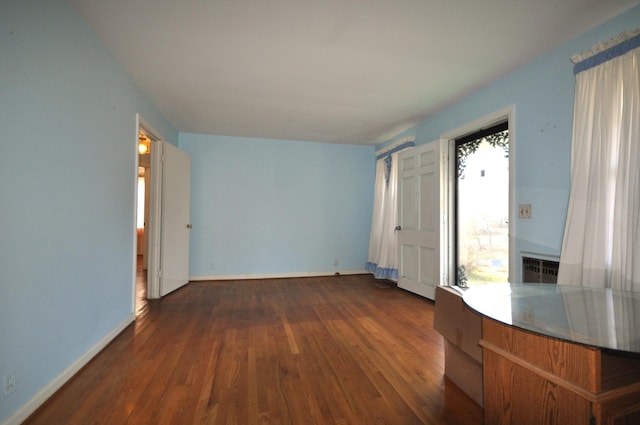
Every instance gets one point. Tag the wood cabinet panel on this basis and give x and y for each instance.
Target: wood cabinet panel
(577, 364)
(533, 379)
(515, 395)
(624, 410)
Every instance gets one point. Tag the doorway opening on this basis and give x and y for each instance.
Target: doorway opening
(481, 206)
(144, 210)
(142, 219)
(141, 268)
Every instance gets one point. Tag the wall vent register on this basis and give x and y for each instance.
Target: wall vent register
(537, 270)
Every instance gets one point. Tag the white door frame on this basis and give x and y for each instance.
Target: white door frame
(153, 227)
(155, 220)
(508, 114)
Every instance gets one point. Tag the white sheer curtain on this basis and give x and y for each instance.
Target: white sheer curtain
(601, 244)
(383, 242)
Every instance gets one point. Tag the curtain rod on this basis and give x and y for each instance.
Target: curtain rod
(408, 139)
(606, 50)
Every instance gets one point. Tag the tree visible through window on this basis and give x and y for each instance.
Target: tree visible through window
(482, 207)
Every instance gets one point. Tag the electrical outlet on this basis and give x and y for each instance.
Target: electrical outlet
(9, 383)
(528, 315)
(525, 211)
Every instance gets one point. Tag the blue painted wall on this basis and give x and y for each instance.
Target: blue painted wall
(542, 92)
(67, 176)
(265, 207)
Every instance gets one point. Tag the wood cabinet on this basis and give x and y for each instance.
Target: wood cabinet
(461, 328)
(533, 379)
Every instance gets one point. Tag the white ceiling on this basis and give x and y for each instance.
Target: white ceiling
(340, 71)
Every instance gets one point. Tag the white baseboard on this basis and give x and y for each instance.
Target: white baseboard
(274, 275)
(41, 396)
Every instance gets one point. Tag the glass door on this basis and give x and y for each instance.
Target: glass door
(482, 206)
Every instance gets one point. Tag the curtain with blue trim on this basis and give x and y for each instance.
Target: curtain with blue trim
(382, 261)
(601, 243)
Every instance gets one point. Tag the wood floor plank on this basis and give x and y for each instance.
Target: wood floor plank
(326, 350)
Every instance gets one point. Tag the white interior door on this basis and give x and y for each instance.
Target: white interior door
(175, 223)
(171, 180)
(420, 208)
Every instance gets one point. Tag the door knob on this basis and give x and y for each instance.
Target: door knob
(189, 226)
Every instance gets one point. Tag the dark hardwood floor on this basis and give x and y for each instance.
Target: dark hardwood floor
(327, 350)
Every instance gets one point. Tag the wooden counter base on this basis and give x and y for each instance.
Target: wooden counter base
(534, 379)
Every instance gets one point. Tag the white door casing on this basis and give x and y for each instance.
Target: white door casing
(147, 204)
(421, 203)
(448, 146)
